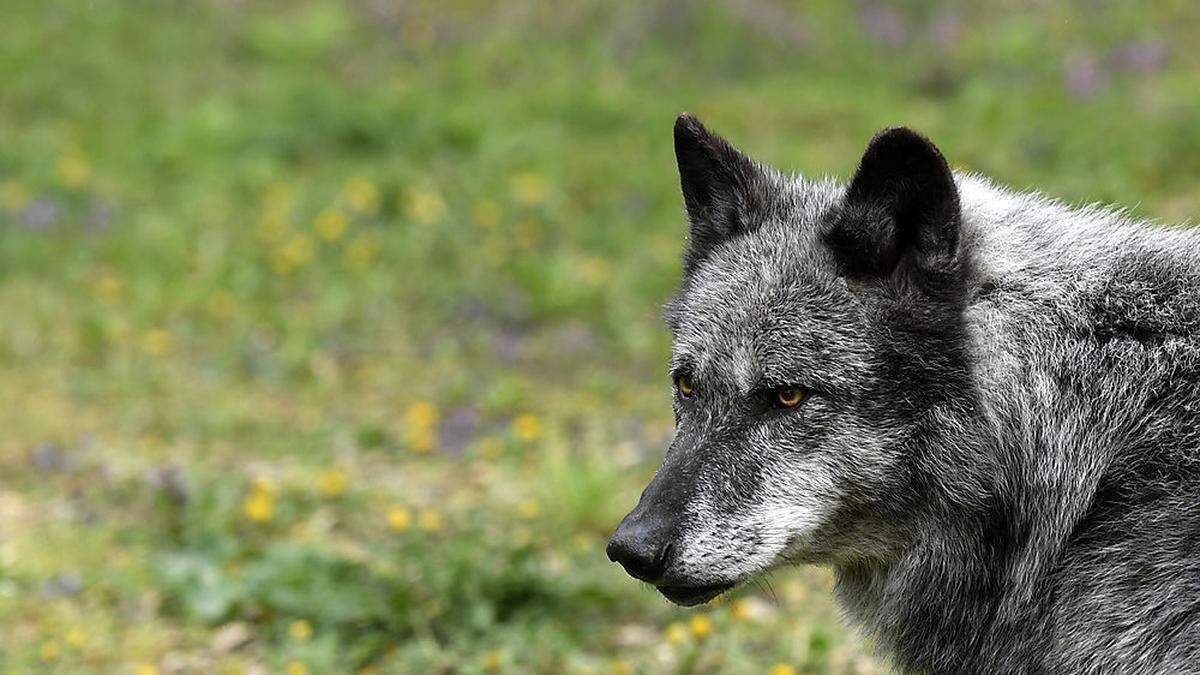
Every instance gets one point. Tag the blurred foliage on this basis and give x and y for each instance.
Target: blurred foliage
(331, 335)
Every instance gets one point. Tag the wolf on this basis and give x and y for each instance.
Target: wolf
(980, 408)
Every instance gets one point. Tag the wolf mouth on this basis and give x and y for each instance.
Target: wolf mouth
(689, 596)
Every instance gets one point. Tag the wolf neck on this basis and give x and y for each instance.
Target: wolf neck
(1077, 318)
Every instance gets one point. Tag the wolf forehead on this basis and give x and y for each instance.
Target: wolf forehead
(767, 306)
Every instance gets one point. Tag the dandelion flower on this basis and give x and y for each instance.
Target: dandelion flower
(490, 448)
(295, 253)
(300, 630)
(529, 509)
(296, 668)
(486, 214)
(676, 633)
(361, 195)
(420, 426)
(526, 233)
(430, 520)
(741, 610)
(360, 253)
(330, 224)
(272, 227)
(528, 428)
(620, 667)
(493, 660)
(261, 484)
(259, 506)
(425, 206)
(782, 669)
(333, 482)
(701, 626)
(221, 305)
(146, 669)
(14, 196)
(530, 188)
(75, 638)
(158, 342)
(399, 518)
(73, 171)
(107, 287)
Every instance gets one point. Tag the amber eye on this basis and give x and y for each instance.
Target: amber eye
(684, 384)
(789, 397)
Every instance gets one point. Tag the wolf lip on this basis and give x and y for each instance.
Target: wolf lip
(688, 596)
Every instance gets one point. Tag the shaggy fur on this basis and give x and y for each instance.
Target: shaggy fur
(999, 451)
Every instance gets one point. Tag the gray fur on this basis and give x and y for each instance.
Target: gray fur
(1001, 466)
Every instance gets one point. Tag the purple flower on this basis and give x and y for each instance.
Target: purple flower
(41, 214)
(1145, 57)
(885, 24)
(1083, 75)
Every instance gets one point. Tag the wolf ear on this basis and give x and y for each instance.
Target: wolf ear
(902, 205)
(717, 182)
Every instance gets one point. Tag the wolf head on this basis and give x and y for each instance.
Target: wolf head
(817, 336)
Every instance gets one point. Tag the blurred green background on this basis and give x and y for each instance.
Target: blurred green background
(330, 336)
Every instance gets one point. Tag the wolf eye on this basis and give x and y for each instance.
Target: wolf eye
(790, 397)
(684, 384)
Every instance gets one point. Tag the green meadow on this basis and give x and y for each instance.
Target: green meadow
(330, 335)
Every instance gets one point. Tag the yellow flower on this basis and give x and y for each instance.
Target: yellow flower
(425, 206)
(594, 270)
(530, 188)
(259, 506)
(73, 171)
(146, 669)
(620, 667)
(582, 544)
(360, 253)
(296, 252)
(331, 224)
(361, 195)
(493, 660)
(333, 482)
(272, 227)
(420, 426)
(421, 414)
(14, 195)
(222, 305)
(430, 521)
(107, 287)
(263, 485)
(278, 198)
(529, 509)
(490, 448)
(782, 669)
(676, 633)
(527, 428)
(741, 610)
(399, 518)
(51, 651)
(300, 630)
(158, 342)
(76, 638)
(701, 626)
(296, 668)
(525, 233)
(486, 214)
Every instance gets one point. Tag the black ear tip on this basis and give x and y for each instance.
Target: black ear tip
(687, 127)
(900, 133)
(902, 140)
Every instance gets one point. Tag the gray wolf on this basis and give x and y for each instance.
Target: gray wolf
(980, 408)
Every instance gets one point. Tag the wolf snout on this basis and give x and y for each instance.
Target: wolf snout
(642, 546)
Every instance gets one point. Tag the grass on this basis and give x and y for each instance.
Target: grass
(331, 335)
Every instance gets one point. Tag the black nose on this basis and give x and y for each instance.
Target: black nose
(641, 547)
